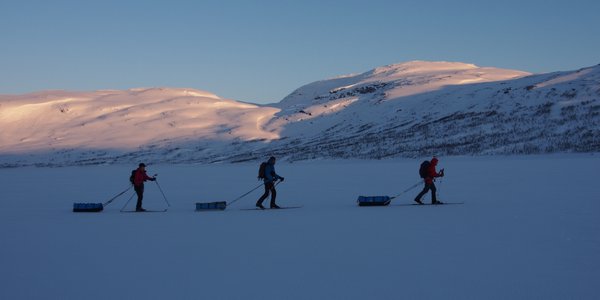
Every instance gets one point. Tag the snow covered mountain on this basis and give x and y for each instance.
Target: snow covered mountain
(60, 127)
(125, 119)
(426, 108)
(410, 109)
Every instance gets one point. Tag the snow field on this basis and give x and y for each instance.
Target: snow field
(528, 230)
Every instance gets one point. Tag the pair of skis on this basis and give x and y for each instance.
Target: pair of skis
(144, 211)
(429, 204)
(284, 207)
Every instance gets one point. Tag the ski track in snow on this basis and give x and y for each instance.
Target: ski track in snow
(528, 230)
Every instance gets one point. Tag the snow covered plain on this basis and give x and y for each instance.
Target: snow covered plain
(528, 230)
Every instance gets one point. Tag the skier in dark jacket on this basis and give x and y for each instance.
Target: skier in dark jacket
(270, 177)
(138, 185)
(429, 185)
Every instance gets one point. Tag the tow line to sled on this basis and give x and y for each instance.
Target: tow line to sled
(222, 205)
(382, 200)
(98, 207)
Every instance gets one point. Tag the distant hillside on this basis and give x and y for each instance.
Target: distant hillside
(403, 110)
(426, 108)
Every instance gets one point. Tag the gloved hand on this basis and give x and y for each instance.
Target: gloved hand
(152, 179)
(281, 178)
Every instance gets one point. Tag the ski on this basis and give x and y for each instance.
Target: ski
(429, 204)
(283, 207)
(146, 211)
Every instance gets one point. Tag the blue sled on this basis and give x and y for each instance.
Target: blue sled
(219, 205)
(373, 200)
(87, 207)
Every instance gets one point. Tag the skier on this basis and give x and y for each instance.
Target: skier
(138, 185)
(430, 175)
(269, 178)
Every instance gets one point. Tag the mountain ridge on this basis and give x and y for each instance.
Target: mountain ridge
(400, 110)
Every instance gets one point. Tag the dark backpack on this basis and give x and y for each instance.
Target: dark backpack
(132, 177)
(424, 169)
(261, 170)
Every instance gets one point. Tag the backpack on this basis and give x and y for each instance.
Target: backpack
(261, 170)
(132, 177)
(424, 169)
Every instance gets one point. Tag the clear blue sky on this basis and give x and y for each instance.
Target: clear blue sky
(260, 51)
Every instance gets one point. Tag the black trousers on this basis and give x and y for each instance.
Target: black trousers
(139, 190)
(425, 190)
(269, 188)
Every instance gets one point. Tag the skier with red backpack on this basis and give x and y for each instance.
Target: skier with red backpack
(428, 173)
(267, 173)
(137, 178)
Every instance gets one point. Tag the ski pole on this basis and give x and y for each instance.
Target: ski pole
(161, 191)
(130, 197)
(408, 189)
(115, 197)
(242, 196)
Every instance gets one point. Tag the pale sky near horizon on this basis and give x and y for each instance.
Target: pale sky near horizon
(260, 51)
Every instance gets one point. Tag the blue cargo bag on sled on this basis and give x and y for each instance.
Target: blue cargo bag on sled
(219, 205)
(373, 200)
(87, 207)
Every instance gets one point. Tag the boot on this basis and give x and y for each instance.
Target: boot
(273, 205)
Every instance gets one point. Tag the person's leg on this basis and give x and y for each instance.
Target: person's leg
(264, 196)
(273, 196)
(423, 192)
(139, 190)
(433, 194)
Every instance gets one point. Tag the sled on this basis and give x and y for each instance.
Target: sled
(218, 205)
(373, 200)
(88, 207)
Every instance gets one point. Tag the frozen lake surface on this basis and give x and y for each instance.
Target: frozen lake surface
(529, 229)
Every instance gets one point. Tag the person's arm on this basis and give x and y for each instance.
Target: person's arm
(432, 172)
(276, 176)
(146, 177)
(440, 174)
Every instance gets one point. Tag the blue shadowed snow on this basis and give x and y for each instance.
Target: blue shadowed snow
(528, 229)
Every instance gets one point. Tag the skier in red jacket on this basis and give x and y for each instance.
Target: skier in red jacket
(138, 185)
(429, 185)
